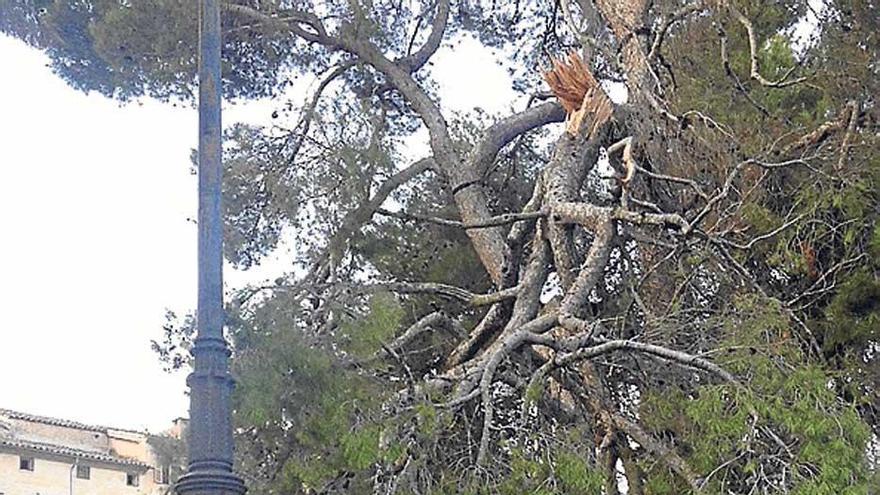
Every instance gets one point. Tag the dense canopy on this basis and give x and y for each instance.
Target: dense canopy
(667, 289)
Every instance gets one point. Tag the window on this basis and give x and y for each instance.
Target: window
(83, 472)
(26, 463)
(162, 474)
(131, 479)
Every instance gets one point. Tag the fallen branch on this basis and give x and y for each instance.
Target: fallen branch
(496, 221)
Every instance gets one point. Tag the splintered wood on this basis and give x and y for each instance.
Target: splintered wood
(579, 93)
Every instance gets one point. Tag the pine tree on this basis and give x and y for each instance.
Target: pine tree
(498, 316)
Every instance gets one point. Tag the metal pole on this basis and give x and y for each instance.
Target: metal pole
(210, 429)
(72, 469)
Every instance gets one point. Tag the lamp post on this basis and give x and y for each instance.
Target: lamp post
(210, 429)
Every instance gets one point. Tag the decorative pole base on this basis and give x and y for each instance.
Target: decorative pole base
(211, 482)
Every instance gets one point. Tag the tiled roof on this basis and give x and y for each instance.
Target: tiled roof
(60, 422)
(70, 452)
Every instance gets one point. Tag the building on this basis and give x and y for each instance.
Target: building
(49, 456)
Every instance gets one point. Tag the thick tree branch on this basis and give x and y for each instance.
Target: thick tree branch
(442, 290)
(590, 215)
(356, 219)
(432, 320)
(308, 112)
(506, 130)
(416, 60)
(496, 221)
(529, 333)
(683, 358)
(818, 134)
(660, 451)
(469, 195)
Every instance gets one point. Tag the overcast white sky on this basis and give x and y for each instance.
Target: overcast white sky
(94, 206)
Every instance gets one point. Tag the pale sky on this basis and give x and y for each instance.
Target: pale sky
(94, 206)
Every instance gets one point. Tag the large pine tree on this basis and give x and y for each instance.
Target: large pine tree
(499, 316)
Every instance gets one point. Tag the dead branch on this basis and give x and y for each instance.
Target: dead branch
(496, 221)
(754, 70)
(725, 62)
(432, 320)
(817, 135)
(850, 130)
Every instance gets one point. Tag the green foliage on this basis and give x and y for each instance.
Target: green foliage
(360, 448)
(853, 316)
(126, 50)
(259, 200)
(533, 393)
(434, 254)
(576, 475)
(760, 217)
(560, 473)
(428, 418)
(874, 243)
(527, 476)
(725, 425)
(292, 389)
(366, 335)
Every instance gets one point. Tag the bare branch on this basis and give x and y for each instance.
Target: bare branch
(814, 289)
(529, 333)
(671, 178)
(504, 131)
(589, 215)
(817, 135)
(725, 62)
(679, 357)
(443, 290)
(667, 23)
(415, 61)
(496, 221)
(308, 112)
(355, 219)
(766, 236)
(850, 130)
(628, 162)
(754, 71)
(435, 319)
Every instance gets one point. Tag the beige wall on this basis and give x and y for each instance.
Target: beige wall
(52, 477)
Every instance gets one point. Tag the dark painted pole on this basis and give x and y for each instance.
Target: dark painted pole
(210, 428)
